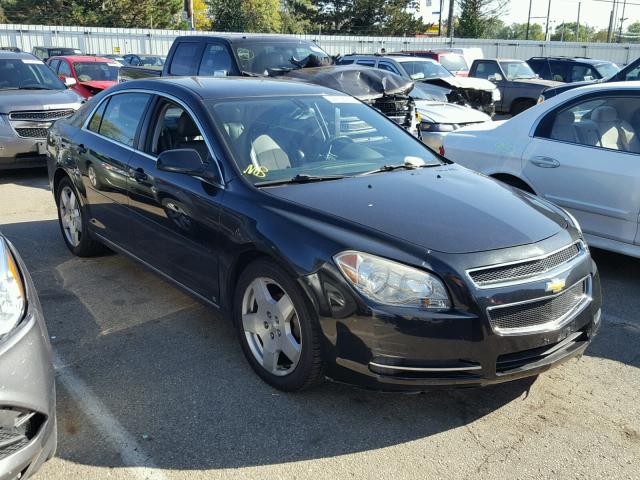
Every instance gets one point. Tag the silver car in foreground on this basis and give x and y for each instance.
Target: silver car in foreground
(579, 150)
(27, 389)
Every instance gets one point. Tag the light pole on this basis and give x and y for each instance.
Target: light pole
(546, 30)
(528, 20)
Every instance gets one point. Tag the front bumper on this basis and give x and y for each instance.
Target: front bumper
(18, 152)
(405, 349)
(28, 432)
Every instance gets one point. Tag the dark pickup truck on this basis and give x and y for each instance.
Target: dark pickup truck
(284, 57)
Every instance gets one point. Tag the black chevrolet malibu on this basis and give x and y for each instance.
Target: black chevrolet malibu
(340, 246)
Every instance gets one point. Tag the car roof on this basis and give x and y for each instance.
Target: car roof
(230, 87)
(410, 58)
(635, 85)
(244, 38)
(7, 55)
(81, 58)
(590, 61)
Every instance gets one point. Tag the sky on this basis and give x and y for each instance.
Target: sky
(592, 12)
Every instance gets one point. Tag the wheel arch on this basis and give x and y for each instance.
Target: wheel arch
(513, 181)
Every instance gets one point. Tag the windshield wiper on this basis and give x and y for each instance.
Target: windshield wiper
(300, 178)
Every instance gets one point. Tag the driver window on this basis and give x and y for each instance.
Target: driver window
(486, 69)
(64, 69)
(608, 122)
(175, 129)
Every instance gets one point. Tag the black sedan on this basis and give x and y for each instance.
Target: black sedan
(339, 244)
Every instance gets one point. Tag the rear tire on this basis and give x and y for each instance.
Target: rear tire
(73, 222)
(278, 332)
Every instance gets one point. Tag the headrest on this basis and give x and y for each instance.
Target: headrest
(186, 126)
(566, 118)
(604, 114)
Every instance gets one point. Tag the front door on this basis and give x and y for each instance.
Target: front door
(585, 156)
(176, 216)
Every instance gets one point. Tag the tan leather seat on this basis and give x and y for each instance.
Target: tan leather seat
(265, 152)
(564, 128)
(615, 133)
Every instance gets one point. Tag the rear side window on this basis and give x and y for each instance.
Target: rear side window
(345, 62)
(559, 71)
(186, 58)
(121, 117)
(388, 66)
(541, 67)
(367, 63)
(216, 61)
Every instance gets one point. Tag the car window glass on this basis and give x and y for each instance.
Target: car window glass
(54, 65)
(453, 62)
(186, 58)
(421, 69)
(388, 67)
(366, 63)
(96, 120)
(216, 61)
(559, 71)
(633, 74)
(610, 123)
(64, 69)
(176, 129)
(540, 67)
(345, 61)
(486, 69)
(582, 73)
(122, 116)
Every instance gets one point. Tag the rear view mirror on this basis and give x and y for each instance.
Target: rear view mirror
(496, 77)
(182, 160)
(69, 81)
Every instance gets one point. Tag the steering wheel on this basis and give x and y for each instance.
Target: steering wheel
(340, 139)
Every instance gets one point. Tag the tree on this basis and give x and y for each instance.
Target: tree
(298, 16)
(202, 20)
(567, 32)
(476, 16)
(246, 15)
(518, 31)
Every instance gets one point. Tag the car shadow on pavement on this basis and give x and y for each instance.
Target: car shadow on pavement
(170, 370)
(30, 177)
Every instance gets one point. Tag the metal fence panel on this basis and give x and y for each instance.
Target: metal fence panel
(135, 40)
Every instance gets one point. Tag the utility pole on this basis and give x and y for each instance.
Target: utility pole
(440, 18)
(578, 23)
(622, 19)
(529, 20)
(450, 19)
(611, 17)
(192, 20)
(546, 30)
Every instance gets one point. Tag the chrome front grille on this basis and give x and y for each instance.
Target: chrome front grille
(541, 314)
(523, 270)
(40, 115)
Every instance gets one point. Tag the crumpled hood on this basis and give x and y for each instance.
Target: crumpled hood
(462, 82)
(361, 82)
(99, 85)
(438, 112)
(17, 100)
(448, 209)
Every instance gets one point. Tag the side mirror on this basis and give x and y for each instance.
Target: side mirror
(69, 81)
(496, 77)
(181, 160)
(220, 73)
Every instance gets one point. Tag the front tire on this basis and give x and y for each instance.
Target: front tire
(279, 334)
(73, 222)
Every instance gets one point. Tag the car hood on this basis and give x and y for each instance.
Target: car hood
(16, 100)
(448, 209)
(438, 112)
(363, 83)
(99, 85)
(462, 82)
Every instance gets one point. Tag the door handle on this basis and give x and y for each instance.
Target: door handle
(82, 149)
(138, 175)
(545, 162)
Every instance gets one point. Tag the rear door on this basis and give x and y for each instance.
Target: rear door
(585, 157)
(103, 148)
(175, 216)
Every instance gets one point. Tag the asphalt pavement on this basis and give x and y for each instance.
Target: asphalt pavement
(153, 385)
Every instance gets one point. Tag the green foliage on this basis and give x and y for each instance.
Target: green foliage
(518, 31)
(479, 16)
(567, 32)
(99, 13)
(246, 15)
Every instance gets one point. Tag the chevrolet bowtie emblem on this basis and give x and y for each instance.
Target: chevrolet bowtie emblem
(556, 285)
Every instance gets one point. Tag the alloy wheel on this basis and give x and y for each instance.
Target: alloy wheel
(92, 176)
(70, 216)
(271, 326)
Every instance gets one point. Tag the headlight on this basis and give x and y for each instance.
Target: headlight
(392, 283)
(541, 99)
(495, 95)
(12, 295)
(438, 127)
(574, 222)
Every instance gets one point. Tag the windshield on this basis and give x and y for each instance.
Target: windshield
(151, 61)
(96, 71)
(423, 91)
(277, 139)
(607, 69)
(453, 62)
(516, 70)
(421, 69)
(261, 56)
(61, 52)
(27, 73)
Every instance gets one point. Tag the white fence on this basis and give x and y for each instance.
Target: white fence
(123, 40)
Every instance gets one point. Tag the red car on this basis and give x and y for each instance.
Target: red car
(92, 74)
(454, 62)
